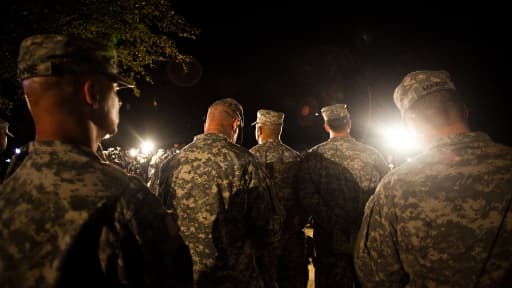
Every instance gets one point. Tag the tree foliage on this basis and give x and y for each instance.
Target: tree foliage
(144, 32)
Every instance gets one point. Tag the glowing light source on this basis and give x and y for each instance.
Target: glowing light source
(133, 152)
(306, 110)
(398, 138)
(147, 146)
(17, 150)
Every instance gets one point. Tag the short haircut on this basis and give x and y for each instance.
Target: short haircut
(271, 129)
(337, 124)
(439, 108)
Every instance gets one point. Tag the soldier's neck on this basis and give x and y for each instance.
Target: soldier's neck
(342, 134)
(83, 135)
(266, 138)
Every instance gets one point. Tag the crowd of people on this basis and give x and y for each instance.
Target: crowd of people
(143, 164)
(220, 215)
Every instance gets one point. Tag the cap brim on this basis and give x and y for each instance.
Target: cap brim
(121, 82)
(254, 123)
(10, 134)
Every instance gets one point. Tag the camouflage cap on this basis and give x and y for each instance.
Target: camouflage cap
(59, 55)
(232, 105)
(4, 125)
(418, 84)
(269, 117)
(334, 111)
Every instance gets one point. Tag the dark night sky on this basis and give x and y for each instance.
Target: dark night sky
(283, 57)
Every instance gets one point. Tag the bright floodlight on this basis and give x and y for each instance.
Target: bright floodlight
(17, 150)
(398, 138)
(147, 146)
(133, 152)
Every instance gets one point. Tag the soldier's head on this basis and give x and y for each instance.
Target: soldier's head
(269, 125)
(430, 105)
(70, 86)
(226, 117)
(337, 120)
(4, 132)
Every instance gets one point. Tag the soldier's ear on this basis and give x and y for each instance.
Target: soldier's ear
(90, 93)
(235, 123)
(326, 128)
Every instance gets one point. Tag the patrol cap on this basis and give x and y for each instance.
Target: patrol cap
(233, 106)
(418, 84)
(334, 111)
(4, 125)
(59, 55)
(264, 116)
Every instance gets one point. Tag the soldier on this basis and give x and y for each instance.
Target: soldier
(4, 132)
(281, 163)
(336, 179)
(443, 219)
(223, 203)
(68, 219)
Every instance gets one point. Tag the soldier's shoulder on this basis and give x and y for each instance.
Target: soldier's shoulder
(400, 180)
(290, 152)
(257, 148)
(239, 151)
(369, 149)
(319, 147)
(115, 176)
(505, 151)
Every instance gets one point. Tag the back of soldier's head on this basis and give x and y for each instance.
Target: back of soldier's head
(336, 117)
(338, 124)
(270, 122)
(439, 109)
(70, 82)
(430, 96)
(221, 117)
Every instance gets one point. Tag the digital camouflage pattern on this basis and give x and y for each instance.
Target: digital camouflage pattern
(269, 117)
(59, 55)
(442, 219)
(67, 219)
(335, 180)
(334, 111)
(225, 210)
(417, 84)
(364, 162)
(281, 164)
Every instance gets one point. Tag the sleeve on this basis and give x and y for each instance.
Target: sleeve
(376, 257)
(382, 165)
(165, 191)
(147, 227)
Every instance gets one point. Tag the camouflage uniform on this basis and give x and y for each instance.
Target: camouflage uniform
(282, 163)
(442, 219)
(224, 207)
(337, 178)
(68, 219)
(433, 221)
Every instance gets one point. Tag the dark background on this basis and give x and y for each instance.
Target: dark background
(297, 58)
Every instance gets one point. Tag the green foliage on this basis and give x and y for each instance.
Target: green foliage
(143, 32)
